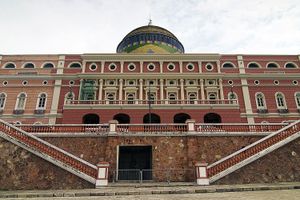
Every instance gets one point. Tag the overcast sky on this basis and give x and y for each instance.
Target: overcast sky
(97, 26)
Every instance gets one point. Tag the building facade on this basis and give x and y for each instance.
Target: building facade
(150, 75)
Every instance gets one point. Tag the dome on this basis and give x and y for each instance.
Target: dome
(150, 39)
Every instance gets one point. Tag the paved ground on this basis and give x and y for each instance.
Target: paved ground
(177, 191)
(250, 195)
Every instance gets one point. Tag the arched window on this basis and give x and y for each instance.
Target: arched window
(122, 118)
(48, 65)
(212, 118)
(41, 102)
(260, 101)
(192, 96)
(272, 65)
(172, 98)
(297, 99)
(181, 118)
(10, 66)
(75, 65)
(151, 118)
(2, 100)
(21, 101)
(290, 65)
(110, 98)
(69, 97)
(91, 119)
(28, 66)
(130, 98)
(232, 96)
(253, 65)
(228, 65)
(280, 101)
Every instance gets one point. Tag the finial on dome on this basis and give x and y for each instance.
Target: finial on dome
(150, 21)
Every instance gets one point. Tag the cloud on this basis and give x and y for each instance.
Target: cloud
(203, 26)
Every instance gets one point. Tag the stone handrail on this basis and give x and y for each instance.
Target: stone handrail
(146, 128)
(253, 149)
(48, 149)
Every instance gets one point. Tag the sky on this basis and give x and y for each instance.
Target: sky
(97, 26)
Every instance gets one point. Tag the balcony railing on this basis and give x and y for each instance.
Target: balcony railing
(153, 128)
(154, 102)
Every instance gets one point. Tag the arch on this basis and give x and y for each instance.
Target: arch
(155, 119)
(122, 118)
(212, 118)
(2, 100)
(272, 65)
(91, 119)
(28, 65)
(228, 65)
(48, 65)
(260, 100)
(9, 65)
(181, 118)
(297, 99)
(21, 101)
(280, 100)
(290, 65)
(74, 65)
(253, 65)
(69, 97)
(41, 101)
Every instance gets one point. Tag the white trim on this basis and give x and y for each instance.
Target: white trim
(7, 63)
(191, 64)
(276, 82)
(233, 65)
(256, 82)
(45, 63)
(171, 64)
(272, 62)
(263, 99)
(17, 101)
(259, 66)
(296, 66)
(93, 64)
(66, 95)
(295, 97)
(209, 64)
(4, 102)
(38, 101)
(24, 82)
(4, 82)
(45, 82)
(26, 63)
(111, 64)
(283, 99)
(134, 67)
(151, 69)
(295, 82)
(69, 66)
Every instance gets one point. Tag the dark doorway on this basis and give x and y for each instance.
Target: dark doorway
(91, 119)
(122, 118)
(135, 161)
(155, 119)
(181, 118)
(212, 118)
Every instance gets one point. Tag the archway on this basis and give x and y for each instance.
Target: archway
(181, 118)
(122, 118)
(155, 119)
(90, 119)
(212, 118)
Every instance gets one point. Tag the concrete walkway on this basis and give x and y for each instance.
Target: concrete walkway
(139, 190)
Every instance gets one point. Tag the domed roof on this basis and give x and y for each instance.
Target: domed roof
(150, 39)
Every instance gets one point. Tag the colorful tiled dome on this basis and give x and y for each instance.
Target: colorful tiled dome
(150, 39)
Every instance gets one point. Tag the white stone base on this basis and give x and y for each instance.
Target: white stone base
(101, 183)
(202, 181)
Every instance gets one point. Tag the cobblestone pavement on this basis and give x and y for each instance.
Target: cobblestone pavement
(250, 195)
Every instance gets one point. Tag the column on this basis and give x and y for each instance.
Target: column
(218, 66)
(202, 89)
(182, 89)
(245, 90)
(180, 67)
(100, 90)
(141, 91)
(120, 90)
(141, 66)
(102, 66)
(56, 91)
(161, 89)
(102, 175)
(161, 66)
(201, 173)
(221, 89)
(122, 66)
(83, 66)
(200, 66)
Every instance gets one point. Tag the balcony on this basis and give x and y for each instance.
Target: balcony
(39, 111)
(160, 104)
(18, 111)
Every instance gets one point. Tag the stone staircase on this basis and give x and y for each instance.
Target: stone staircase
(253, 152)
(49, 152)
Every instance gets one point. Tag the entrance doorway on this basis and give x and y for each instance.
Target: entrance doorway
(135, 163)
(91, 119)
(212, 118)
